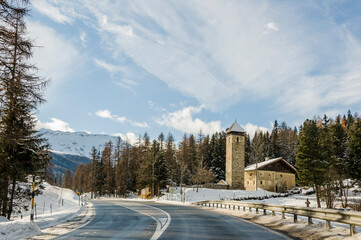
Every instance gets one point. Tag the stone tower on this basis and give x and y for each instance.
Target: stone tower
(235, 154)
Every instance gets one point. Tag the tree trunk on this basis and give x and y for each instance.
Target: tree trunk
(317, 190)
(4, 196)
(11, 198)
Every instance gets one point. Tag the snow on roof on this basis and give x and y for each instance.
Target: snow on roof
(235, 128)
(265, 163)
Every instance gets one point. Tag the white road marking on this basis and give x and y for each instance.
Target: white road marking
(162, 222)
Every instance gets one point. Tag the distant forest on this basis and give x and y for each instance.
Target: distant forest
(325, 151)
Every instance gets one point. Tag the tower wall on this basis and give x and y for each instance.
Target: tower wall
(235, 154)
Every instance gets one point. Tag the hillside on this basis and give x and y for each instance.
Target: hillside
(70, 149)
(75, 143)
(61, 162)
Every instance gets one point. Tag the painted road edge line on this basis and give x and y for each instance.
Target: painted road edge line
(159, 229)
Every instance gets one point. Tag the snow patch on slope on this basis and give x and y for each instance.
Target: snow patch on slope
(75, 143)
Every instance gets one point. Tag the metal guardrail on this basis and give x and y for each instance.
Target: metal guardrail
(330, 215)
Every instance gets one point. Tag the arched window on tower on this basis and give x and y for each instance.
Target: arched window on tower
(237, 139)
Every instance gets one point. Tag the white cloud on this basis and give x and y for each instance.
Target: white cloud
(289, 69)
(56, 57)
(83, 39)
(108, 115)
(129, 137)
(151, 103)
(251, 129)
(125, 30)
(271, 27)
(52, 12)
(112, 69)
(104, 114)
(55, 125)
(183, 121)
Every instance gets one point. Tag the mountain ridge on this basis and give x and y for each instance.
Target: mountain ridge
(75, 143)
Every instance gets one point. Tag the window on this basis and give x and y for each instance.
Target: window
(260, 182)
(247, 182)
(281, 175)
(254, 182)
(250, 174)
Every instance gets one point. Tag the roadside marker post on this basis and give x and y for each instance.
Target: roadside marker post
(32, 201)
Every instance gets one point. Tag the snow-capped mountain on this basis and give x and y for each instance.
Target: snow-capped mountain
(76, 143)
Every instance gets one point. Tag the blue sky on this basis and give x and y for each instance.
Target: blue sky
(129, 67)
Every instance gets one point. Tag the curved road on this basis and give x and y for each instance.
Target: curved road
(143, 220)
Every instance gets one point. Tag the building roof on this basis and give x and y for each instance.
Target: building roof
(235, 128)
(265, 163)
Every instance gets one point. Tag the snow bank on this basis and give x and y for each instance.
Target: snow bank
(53, 206)
(191, 195)
(17, 230)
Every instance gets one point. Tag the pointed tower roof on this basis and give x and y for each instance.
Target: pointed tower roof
(235, 128)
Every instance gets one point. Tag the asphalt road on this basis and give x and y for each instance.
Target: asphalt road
(144, 220)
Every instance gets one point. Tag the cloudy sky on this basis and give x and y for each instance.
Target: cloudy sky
(129, 67)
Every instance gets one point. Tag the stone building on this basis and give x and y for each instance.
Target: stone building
(275, 175)
(235, 156)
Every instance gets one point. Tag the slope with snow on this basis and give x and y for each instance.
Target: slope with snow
(76, 143)
(53, 206)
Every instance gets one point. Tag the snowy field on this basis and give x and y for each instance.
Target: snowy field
(54, 206)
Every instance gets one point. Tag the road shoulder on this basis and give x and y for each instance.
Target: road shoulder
(70, 225)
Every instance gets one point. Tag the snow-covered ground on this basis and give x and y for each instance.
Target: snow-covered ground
(55, 205)
(191, 195)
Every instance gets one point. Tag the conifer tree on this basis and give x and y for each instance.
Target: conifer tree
(339, 141)
(23, 151)
(122, 155)
(109, 177)
(94, 160)
(171, 160)
(354, 162)
(311, 167)
(274, 146)
(67, 180)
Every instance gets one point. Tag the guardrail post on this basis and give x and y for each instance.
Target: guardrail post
(264, 212)
(295, 218)
(283, 214)
(213, 205)
(273, 213)
(234, 207)
(250, 209)
(257, 210)
(216, 205)
(239, 208)
(328, 224)
(352, 230)
(244, 209)
(309, 221)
